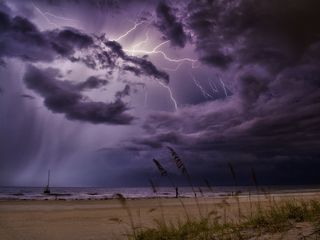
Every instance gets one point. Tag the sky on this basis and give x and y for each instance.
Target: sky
(94, 90)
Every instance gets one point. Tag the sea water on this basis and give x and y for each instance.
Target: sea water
(99, 193)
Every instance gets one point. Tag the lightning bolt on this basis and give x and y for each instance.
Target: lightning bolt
(46, 14)
(173, 100)
(128, 32)
(165, 56)
(173, 69)
(213, 86)
(155, 50)
(170, 94)
(223, 86)
(202, 90)
(140, 43)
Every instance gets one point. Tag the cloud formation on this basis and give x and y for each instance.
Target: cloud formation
(271, 33)
(169, 25)
(91, 83)
(273, 113)
(62, 96)
(20, 38)
(267, 53)
(139, 65)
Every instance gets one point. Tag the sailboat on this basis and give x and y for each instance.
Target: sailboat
(47, 188)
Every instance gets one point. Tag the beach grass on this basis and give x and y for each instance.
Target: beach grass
(272, 217)
(276, 217)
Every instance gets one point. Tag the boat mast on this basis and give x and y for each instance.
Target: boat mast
(48, 177)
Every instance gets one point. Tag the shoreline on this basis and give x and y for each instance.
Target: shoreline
(210, 195)
(205, 200)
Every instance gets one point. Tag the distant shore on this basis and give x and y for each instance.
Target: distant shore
(67, 193)
(99, 219)
(61, 197)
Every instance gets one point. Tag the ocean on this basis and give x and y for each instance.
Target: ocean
(100, 193)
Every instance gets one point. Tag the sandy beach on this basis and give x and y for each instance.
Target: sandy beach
(107, 219)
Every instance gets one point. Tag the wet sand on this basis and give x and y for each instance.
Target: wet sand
(108, 219)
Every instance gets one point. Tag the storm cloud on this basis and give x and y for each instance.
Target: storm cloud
(62, 97)
(243, 74)
(272, 33)
(20, 38)
(92, 82)
(273, 112)
(140, 65)
(169, 25)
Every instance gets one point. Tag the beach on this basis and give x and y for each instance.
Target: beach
(108, 219)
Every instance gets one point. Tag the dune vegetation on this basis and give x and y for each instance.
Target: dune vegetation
(285, 219)
(262, 218)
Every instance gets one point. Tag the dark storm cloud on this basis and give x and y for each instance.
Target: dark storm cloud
(149, 69)
(124, 92)
(264, 119)
(132, 69)
(20, 38)
(274, 111)
(267, 50)
(92, 82)
(62, 97)
(218, 59)
(169, 25)
(271, 33)
(64, 41)
(141, 65)
(98, 4)
(115, 47)
(99, 57)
